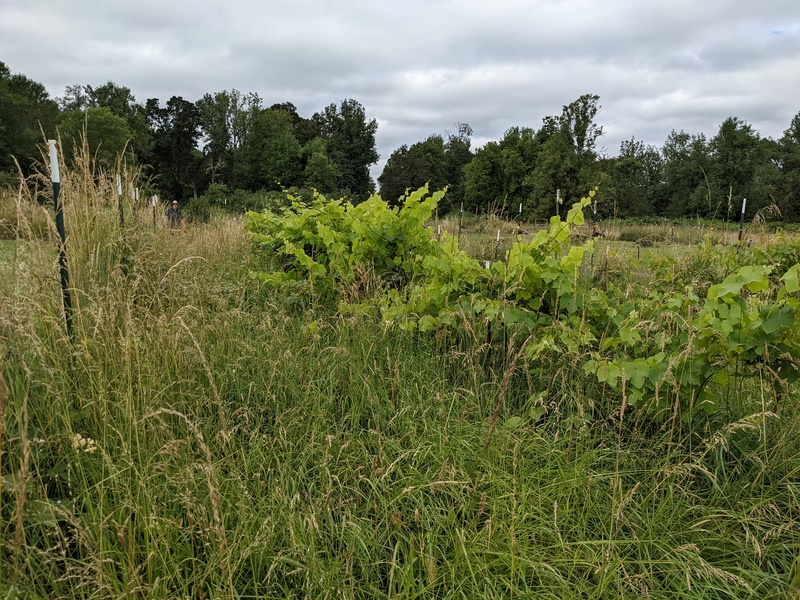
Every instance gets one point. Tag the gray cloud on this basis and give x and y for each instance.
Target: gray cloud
(420, 66)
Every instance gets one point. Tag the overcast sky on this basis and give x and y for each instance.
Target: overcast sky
(420, 66)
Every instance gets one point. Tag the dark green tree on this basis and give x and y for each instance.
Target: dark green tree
(320, 172)
(457, 155)
(350, 138)
(118, 99)
(436, 161)
(107, 135)
(734, 159)
(686, 166)
(75, 98)
(555, 172)
(271, 154)
(634, 180)
(122, 103)
(305, 130)
(500, 174)
(483, 179)
(26, 112)
(409, 168)
(787, 162)
(119, 102)
(519, 153)
(226, 119)
(566, 164)
(176, 161)
(577, 123)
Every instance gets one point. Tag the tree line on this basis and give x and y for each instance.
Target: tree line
(689, 176)
(229, 142)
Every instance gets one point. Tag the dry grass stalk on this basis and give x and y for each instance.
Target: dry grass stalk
(762, 216)
(504, 385)
(22, 483)
(212, 481)
(3, 399)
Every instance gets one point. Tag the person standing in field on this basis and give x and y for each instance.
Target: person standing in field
(175, 215)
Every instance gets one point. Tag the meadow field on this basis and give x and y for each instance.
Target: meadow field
(239, 413)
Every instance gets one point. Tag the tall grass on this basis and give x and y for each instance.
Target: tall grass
(203, 438)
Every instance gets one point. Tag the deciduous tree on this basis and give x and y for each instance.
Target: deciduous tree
(351, 145)
(226, 118)
(634, 179)
(457, 155)
(26, 111)
(107, 135)
(410, 168)
(320, 171)
(270, 155)
(686, 166)
(788, 164)
(174, 156)
(735, 157)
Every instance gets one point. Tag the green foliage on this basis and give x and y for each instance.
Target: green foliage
(633, 179)
(411, 168)
(174, 154)
(788, 155)
(230, 138)
(106, 134)
(326, 243)
(350, 140)
(199, 209)
(433, 162)
(322, 249)
(738, 152)
(533, 286)
(483, 179)
(219, 197)
(457, 155)
(320, 173)
(270, 158)
(499, 174)
(226, 119)
(746, 326)
(26, 110)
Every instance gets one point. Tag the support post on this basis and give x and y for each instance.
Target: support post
(58, 206)
(558, 200)
(119, 202)
(741, 220)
